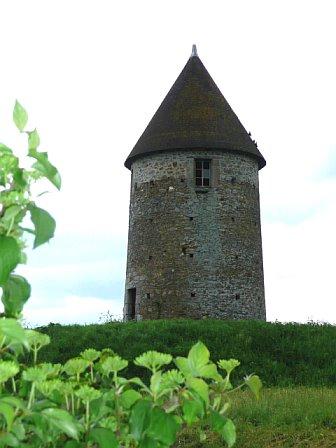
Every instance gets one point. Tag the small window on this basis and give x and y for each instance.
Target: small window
(193, 294)
(191, 218)
(148, 295)
(237, 296)
(191, 255)
(202, 173)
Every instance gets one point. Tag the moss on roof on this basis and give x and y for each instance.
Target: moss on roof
(194, 114)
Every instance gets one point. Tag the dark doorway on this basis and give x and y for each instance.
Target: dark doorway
(131, 303)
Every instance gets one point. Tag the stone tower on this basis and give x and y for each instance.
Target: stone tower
(194, 244)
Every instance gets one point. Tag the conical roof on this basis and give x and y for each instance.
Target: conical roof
(194, 114)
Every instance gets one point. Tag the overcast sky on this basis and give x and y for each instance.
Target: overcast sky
(92, 73)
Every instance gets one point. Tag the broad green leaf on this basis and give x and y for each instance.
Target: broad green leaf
(48, 387)
(229, 433)
(51, 370)
(44, 225)
(34, 375)
(4, 150)
(18, 430)
(183, 365)
(36, 339)
(20, 116)
(197, 364)
(75, 366)
(104, 437)
(163, 427)
(228, 364)
(19, 180)
(44, 167)
(193, 410)
(90, 354)
(223, 426)
(172, 379)
(153, 360)
(209, 371)
(198, 355)
(140, 418)
(13, 333)
(11, 212)
(9, 257)
(33, 139)
(73, 444)
(15, 293)
(8, 369)
(9, 413)
(13, 401)
(255, 384)
(87, 393)
(200, 387)
(129, 397)
(63, 421)
(8, 439)
(113, 364)
(155, 382)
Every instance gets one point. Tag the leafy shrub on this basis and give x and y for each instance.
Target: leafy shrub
(86, 402)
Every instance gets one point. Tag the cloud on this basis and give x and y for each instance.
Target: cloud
(299, 262)
(69, 309)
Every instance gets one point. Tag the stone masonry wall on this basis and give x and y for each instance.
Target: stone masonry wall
(195, 251)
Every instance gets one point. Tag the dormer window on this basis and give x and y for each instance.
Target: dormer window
(202, 172)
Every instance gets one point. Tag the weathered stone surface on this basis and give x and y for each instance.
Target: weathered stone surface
(195, 251)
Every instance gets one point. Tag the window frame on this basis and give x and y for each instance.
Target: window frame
(206, 181)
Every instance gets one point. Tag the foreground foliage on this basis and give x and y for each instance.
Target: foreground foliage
(86, 401)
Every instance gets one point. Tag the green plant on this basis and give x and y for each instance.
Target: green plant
(87, 402)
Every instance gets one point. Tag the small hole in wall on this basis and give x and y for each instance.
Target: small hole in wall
(232, 219)
(193, 294)
(150, 257)
(233, 180)
(184, 250)
(182, 180)
(237, 296)
(136, 186)
(150, 219)
(151, 183)
(191, 218)
(236, 257)
(254, 187)
(191, 255)
(148, 295)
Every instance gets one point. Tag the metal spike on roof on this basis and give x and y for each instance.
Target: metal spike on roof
(194, 51)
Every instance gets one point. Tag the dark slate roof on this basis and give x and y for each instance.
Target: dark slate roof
(194, 114)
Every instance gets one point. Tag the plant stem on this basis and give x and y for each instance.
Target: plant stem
(35, 355)
(31, 396)
(13, 385)
(87, 414)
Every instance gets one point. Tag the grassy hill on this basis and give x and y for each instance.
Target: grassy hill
(281, 354)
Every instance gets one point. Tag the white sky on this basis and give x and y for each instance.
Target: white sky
(91, 75)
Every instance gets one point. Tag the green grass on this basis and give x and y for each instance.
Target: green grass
(281, 354)
(289, 417)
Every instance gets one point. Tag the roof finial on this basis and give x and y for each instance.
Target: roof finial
(194, 51)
